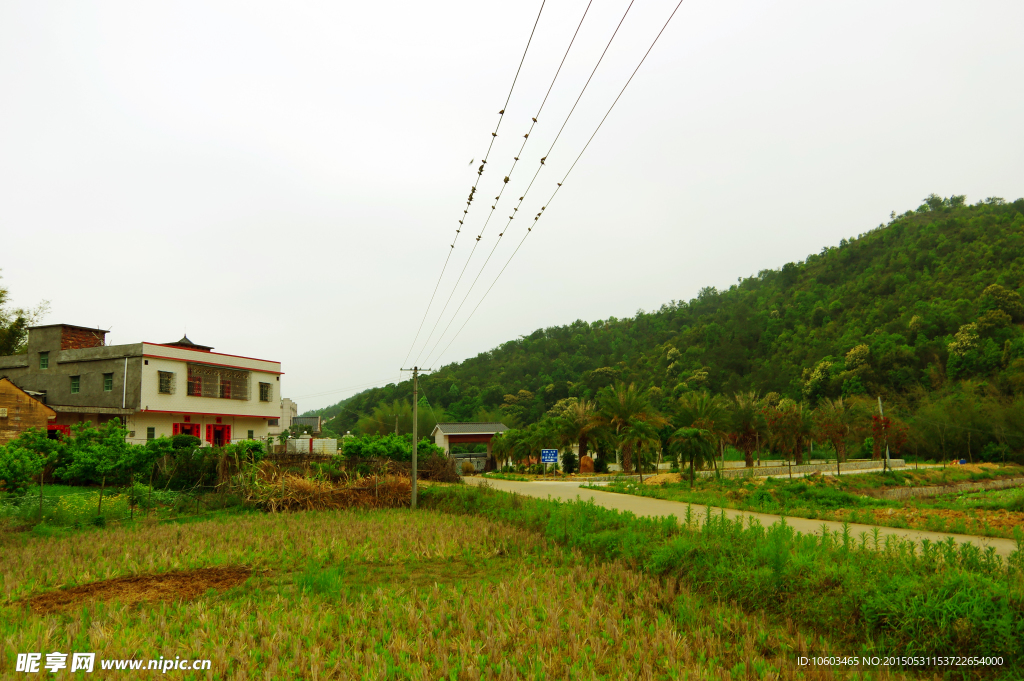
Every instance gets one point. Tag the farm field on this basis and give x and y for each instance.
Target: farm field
(378, 594)
(856, 498)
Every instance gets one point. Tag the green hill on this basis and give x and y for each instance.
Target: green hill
(908, 311)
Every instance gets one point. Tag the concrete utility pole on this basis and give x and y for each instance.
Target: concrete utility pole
(415, 404)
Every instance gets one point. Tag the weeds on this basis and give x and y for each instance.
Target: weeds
(390, 594)
(872, 595)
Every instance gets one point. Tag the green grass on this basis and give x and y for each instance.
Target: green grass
(1010, 499)
(506, 476)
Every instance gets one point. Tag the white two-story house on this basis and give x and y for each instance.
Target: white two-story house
(156, 389)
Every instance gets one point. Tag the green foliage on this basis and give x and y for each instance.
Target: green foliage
(389, 446)
(22, 459)
(924, 311)
(570, 464)
(98, 454)
(248, 451)
(14, 324)
(184, 441)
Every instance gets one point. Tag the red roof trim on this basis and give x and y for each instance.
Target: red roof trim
(209, 413)
(223, 354)
(218, 364)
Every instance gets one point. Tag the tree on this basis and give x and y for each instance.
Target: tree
(745, 422)
(98, 454)
(24, 458)
(577, 421)
(694, 445)
(621, 408)
(640, 436)
(834, 420)
(14, 323)
(705, 411)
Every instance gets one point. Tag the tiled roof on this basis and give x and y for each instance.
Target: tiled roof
(472, 428)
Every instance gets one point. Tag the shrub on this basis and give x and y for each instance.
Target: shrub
(570, 464)
(468, 468)
(17, 467)
(182, 441)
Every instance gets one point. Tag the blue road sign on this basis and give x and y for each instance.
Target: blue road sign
(548, 456)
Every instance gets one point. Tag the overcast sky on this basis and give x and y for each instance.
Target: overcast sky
(284, 180)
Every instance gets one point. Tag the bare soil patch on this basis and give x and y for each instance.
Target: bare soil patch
(170, 586)
(662, 478)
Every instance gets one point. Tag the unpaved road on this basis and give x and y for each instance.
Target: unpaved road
(645, 506)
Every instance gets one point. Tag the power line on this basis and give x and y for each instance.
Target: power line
(537, 217)
(480, 171)
(540, 166)
(341, 390)
(504, 185)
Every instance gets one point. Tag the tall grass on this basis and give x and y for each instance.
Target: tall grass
(883, 596)
(390, 595)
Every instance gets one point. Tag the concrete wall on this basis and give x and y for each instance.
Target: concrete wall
(936, 490)
(762, 471)
(182, 403)
(89, 365)
(163, 425)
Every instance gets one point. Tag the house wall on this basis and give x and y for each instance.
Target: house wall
(134, 396)
(163, 425)
(183, 403)
(23, 412)
(88, 364)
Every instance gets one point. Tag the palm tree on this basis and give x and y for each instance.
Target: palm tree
(705, 411)
(576, 423)
(696, 445)
(638, 436)
(502, 446)
(834, 420)
(745, 422)
(621, 407)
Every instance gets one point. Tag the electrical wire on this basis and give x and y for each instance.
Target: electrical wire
(341, 390)
(538, 216)
(540, 166)
(504, 185)
(480, 172)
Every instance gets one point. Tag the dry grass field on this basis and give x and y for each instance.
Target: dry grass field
(384, 594)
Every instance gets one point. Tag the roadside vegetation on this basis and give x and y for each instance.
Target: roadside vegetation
(859, 592)
(857, 498)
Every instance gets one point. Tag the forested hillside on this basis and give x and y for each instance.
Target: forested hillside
(924, 311)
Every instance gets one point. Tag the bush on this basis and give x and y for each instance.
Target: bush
(252, 451)
(182, 441)
(18, 465)
(140, 495)
(570, 464)
(390, 446)
(468, 468)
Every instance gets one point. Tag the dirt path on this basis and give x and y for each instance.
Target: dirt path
(646, 506)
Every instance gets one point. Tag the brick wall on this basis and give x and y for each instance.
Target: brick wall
(72, 338)
(23, 412)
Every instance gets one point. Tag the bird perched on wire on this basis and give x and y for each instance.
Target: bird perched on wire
(471, 161)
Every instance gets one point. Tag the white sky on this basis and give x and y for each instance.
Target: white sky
(283, 180)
